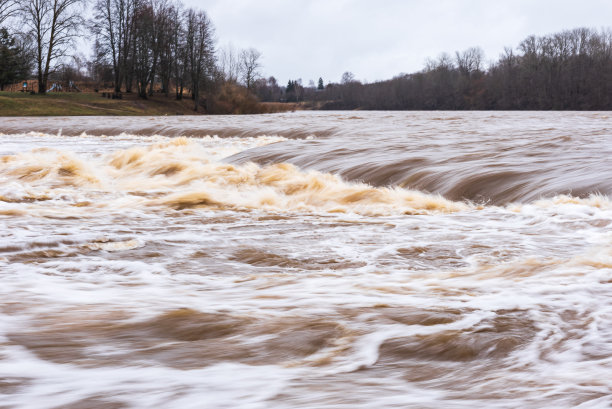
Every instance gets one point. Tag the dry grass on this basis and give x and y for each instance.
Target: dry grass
(86, 103)
(74, 104)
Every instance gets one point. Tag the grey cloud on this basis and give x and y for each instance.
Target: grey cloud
(377, 40)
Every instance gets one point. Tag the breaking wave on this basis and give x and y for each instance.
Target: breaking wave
(183, 173)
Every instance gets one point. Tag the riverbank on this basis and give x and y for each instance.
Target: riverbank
(94, 104)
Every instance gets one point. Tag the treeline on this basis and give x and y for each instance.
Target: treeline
(570, 70)
(139, 46)
(154, 43)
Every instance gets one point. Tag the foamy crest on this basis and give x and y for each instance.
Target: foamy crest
(186, 173)
(106, 245)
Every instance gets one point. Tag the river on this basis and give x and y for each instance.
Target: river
(307, 260)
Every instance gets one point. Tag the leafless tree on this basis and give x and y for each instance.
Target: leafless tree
(159, 35)
(126, 10)
(268, 90)
(347, 77)
(8, 8)
(229, 61)
(112, 24)
(53, 24)
(470, 60)
(249, 66)
(143, 47)
(443, 62)
(169, 32)
(178, 52)
(200, 52)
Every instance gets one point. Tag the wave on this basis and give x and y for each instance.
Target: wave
(182, 173)
(481, 157)
(492, 176)
(196, 126)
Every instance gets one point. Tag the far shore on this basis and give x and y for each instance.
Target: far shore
(98, 104)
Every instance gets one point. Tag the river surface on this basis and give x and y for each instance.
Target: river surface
(307, 260)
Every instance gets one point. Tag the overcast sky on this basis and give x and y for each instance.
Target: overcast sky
(378, 39)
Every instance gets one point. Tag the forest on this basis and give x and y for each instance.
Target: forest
(147, 47)
(570, 70)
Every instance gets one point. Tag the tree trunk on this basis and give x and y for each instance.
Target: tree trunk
(42, 85)
(142, 89)
(128, 84)
(117, 82)
(152, 82)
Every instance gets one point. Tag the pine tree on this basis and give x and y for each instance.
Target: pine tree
(14, 64)
(290, 87)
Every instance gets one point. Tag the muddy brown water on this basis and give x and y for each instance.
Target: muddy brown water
(309, 259)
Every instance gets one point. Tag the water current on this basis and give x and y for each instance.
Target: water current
(307, 260)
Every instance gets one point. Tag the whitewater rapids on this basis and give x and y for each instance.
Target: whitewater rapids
(311, 260)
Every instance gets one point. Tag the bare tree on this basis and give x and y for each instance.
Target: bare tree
(178, 52)
(200, 52)
(104, 26)
(8, 8)
(470, 60)
(347, 78)
(249, 65)
(53, 24)
(169, 35)
(229, 62)
(143, 56)
(112, 25)
(126, 10)
(160, 35)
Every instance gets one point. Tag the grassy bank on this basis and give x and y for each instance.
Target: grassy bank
(84, 103)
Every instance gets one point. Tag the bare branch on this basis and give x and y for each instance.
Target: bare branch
(8, 8)
(249, 66)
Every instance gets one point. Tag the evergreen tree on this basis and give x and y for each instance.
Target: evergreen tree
(320, 86)
(14, 62)
(290, 87)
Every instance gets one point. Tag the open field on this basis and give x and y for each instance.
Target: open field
(52, 104)
(85, 103)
